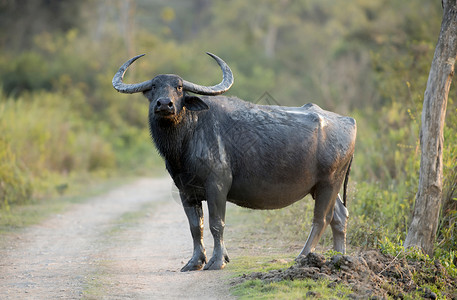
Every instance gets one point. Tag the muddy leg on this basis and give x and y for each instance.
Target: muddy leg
(323, 214)
(338, 224)
(217, 198)
(195, 216)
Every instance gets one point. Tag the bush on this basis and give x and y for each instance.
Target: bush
(15, 183)
(43, 134)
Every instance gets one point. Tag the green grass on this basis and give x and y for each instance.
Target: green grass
(297, 289)
(248, 264)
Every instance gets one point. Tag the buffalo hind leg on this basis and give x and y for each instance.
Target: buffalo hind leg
(194, 214)
(325, 199)
(338, 224)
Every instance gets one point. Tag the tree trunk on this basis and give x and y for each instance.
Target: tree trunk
(422, 230)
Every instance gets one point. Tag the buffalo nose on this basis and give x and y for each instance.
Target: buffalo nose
(164, 104)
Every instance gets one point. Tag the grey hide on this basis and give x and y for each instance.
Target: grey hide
(221, 149)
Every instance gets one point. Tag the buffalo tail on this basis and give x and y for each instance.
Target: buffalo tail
(346, 179)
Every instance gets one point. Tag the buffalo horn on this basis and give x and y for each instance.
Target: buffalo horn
(227, 81)
(122, 87)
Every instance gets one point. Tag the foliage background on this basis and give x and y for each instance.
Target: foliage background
(61, 121)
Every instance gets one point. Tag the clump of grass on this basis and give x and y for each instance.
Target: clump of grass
(429, 275)
(297, 289)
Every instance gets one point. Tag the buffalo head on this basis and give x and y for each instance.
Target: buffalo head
(167, 93)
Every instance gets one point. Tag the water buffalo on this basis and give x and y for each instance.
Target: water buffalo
(223, 149)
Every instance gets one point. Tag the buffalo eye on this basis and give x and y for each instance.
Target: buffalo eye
(179, 88)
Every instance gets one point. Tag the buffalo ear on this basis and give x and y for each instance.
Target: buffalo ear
(148, 94)
(194, 103)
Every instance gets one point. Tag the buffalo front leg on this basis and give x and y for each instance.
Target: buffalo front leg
(323, 214)
(217, 198)
(194, 215)
(339, 224)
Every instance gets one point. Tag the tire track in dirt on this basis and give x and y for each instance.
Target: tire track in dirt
(78, 255)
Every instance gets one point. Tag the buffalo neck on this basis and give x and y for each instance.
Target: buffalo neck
(171, 138)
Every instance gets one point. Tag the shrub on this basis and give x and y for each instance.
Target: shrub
(15, 183)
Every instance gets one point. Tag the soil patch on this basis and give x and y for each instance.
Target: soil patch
(370, 275)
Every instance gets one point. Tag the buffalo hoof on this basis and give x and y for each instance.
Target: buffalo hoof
(217, 263)
(194, 264)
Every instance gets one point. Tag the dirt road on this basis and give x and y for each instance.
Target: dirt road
(129, 243)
